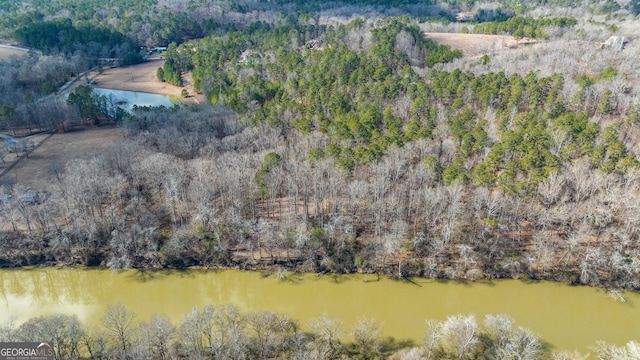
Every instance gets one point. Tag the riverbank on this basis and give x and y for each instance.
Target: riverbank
(394, 268)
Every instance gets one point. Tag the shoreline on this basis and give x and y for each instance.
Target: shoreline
(139, 78)
(389, 271)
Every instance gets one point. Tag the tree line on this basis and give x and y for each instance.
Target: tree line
(226, 332)
(62, 36)
(140, 22)
(155, 23)
(521, 27)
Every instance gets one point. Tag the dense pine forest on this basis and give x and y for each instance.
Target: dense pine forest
(337, 143)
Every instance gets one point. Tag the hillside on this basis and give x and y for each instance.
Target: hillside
(338, 144)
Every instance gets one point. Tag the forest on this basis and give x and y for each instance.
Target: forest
(334, 144)
(336, 137)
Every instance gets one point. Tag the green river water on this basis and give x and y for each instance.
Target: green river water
(566, 317)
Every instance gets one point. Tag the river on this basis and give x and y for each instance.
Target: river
(567, 317)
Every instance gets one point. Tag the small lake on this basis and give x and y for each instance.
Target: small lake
(567, 317)
(127, 99)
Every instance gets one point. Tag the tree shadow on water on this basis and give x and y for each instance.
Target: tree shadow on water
(142, 275)
(410, 281)
(390, 345)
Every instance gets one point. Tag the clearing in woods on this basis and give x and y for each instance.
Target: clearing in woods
(142, 78)
(35, 172)
(477, 44)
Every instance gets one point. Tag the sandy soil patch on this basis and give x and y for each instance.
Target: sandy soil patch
(142, 78)
(35, 171)
(477, 44)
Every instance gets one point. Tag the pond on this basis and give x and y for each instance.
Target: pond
(567, 317)
(127, 99)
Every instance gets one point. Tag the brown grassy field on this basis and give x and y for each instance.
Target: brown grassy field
(5, 52)
(35, 172)
(142, 78)
(474, 45)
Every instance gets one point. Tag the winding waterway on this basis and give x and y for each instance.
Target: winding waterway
(567, 317)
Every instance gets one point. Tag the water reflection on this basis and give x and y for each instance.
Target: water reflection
(127, 99)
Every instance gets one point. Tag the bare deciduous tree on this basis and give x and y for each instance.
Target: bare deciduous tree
(120, 322)
(328, 335)
(366, 333)
(460, 335)
(158, 333)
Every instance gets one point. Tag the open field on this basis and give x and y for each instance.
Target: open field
(35, 172)
(477, 44)
(7, 50)
(142, 78)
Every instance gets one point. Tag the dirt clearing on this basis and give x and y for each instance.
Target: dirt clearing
(35, 172)
(477, 44)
